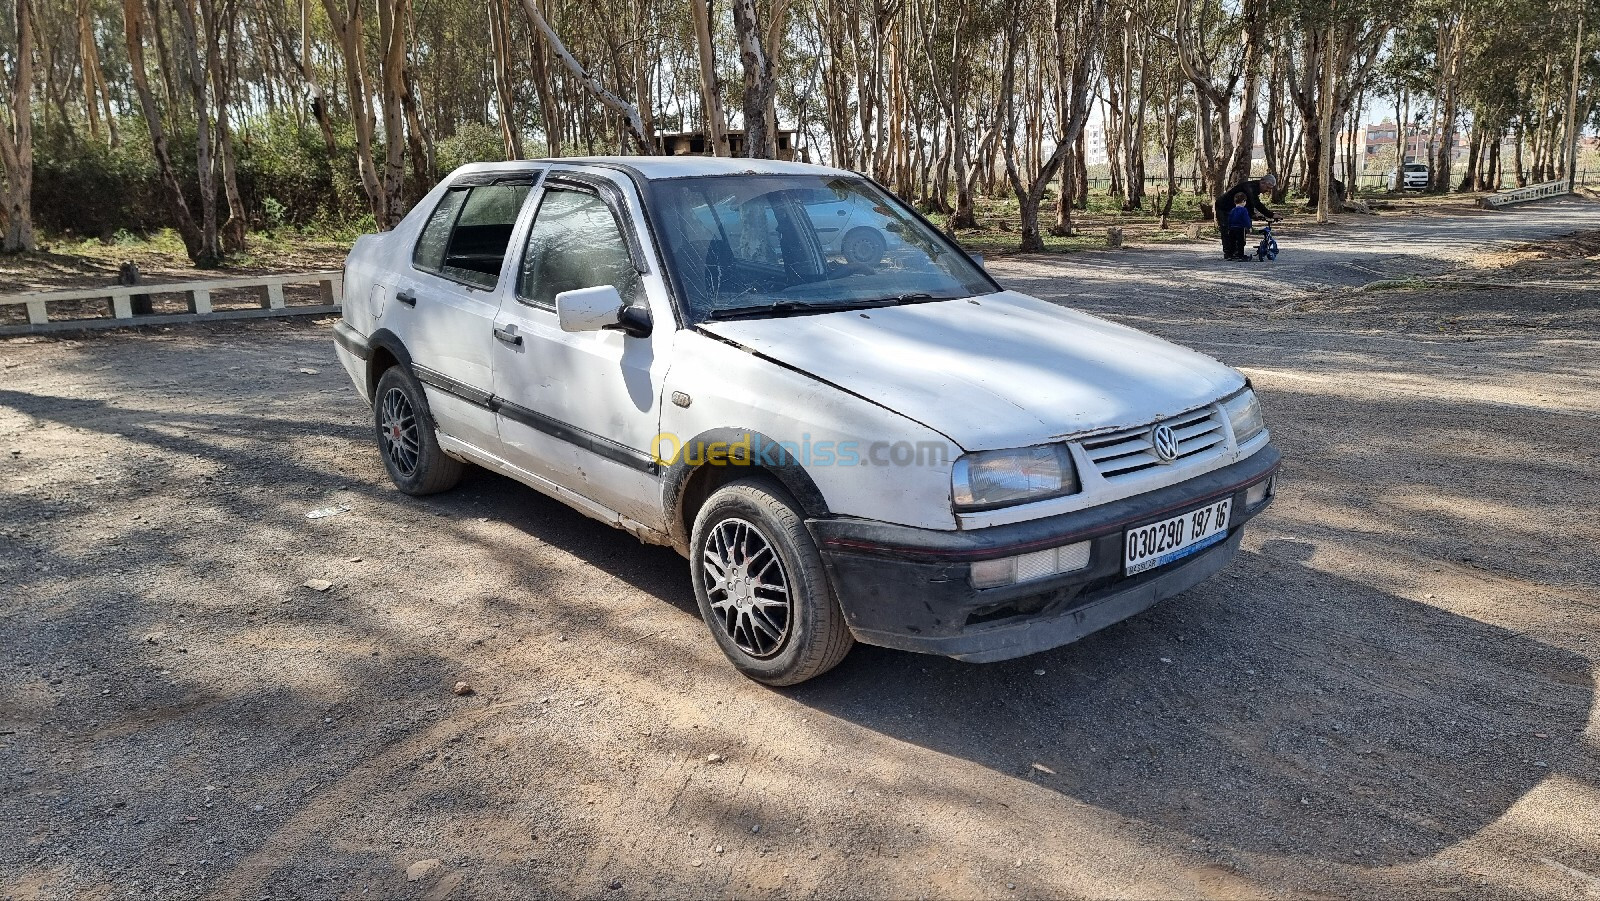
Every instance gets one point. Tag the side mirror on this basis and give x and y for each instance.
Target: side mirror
(600, 307)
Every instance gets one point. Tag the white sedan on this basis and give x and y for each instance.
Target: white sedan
(850, 441)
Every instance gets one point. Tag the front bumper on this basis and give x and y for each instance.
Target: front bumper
(909, 588)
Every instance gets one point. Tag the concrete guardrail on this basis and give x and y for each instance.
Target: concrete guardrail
(1523, 195)
(119, 302)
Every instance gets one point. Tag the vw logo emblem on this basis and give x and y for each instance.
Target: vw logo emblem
(1164, 443)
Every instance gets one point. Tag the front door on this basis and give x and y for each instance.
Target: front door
(584, 403)
(443, 308)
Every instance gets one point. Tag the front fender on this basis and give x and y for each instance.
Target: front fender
(729, 454)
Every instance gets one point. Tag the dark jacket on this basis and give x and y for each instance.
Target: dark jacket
(1251, 189)
(1239, 217)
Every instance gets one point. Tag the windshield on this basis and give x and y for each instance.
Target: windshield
(762, 245)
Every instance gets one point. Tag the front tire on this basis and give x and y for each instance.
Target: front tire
(863, 246)
(407, 437)
(762, 587)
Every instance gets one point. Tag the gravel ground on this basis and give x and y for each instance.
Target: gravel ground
(1389, 694)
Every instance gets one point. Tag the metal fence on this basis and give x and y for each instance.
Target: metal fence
(1379, 181)
(1366, 181)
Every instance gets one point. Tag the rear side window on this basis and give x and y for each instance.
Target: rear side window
(575, 243)
(435, 238)
(479, 222)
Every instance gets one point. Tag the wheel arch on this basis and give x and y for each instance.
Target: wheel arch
(387, 350)
(692, 477)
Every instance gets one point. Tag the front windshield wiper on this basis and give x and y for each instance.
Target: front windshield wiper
(787, 307)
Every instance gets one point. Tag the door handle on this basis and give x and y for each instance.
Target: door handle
(407, 297)
(508, 335)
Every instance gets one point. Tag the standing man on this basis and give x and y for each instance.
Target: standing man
(1251, 189)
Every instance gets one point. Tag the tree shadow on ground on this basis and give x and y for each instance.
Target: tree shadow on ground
(1275, 709)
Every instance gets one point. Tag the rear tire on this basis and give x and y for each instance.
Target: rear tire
(762, 587)
(408, 438)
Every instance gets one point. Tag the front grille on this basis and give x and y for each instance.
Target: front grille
(1129, 451)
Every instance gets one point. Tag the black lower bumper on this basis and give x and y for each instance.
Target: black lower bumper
(910, 588)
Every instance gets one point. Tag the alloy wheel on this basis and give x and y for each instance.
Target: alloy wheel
(398, 432)
(747, 587)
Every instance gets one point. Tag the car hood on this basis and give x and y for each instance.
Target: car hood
(1004, 370)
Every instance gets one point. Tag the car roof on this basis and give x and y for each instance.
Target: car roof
(654, 168)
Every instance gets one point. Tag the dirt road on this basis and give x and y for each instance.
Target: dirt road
(1389, 694)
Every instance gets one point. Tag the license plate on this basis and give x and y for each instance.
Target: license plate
(1160, 543)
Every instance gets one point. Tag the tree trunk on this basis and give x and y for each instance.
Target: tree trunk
(16, 141)
(183, 220)
(1078, 75)
(318, 98)
(347, 25)
(1080, 200)
(1244, 141)
(392, 18)
(1326, 104)
(1453, 36)
(1274, 126)
(1571, 131)
(195, 71)
(222, 69)
(418, 138)
(710, 90)
(759, 84)
(1312, 102)
(1215, 136)
(1516, 162)
(777, 23)
(1169, 147)
(1469, 172)
(505, 98)
(609, 100)
(549, 105)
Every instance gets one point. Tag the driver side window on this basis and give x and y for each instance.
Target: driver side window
(575, 243)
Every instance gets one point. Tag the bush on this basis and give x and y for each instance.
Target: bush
(87, 189)
(473, 142)
(281, 161)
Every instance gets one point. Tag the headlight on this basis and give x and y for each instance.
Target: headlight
(990, 479)
(1244, 413)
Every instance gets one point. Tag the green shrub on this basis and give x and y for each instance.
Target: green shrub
(473, 142)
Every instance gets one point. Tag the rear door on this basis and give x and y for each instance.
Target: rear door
(443, 306)
(582, 408)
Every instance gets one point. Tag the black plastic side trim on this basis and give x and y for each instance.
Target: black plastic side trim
(475, 396)
(346, 336)
(604, 447)
(596, 444)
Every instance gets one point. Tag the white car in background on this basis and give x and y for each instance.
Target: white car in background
(850, 440)
(1416, 178)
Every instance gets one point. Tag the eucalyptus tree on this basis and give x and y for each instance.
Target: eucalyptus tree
(1074, 50)
(16, 131)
